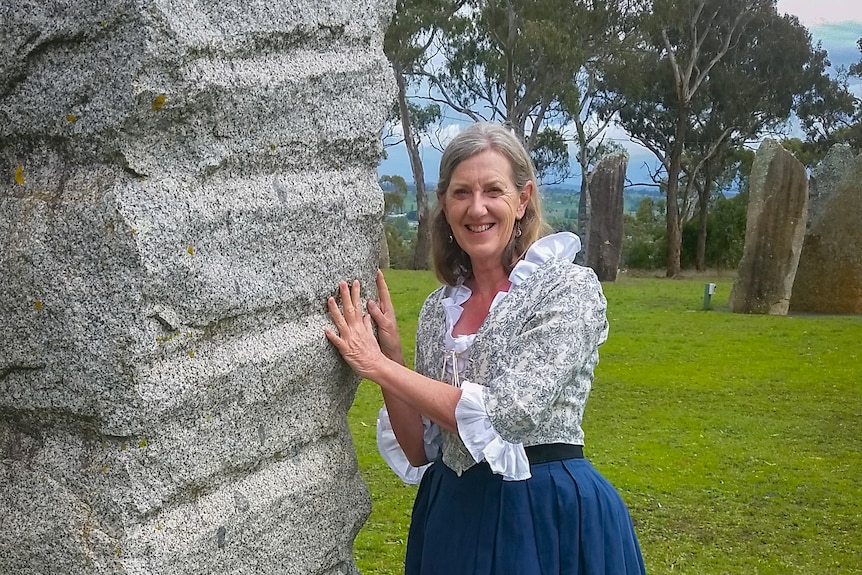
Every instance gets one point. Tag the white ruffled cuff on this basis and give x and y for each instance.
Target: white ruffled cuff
(394, 456)
(483, 441)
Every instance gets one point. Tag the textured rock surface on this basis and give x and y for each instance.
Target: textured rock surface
(829, 277)
(606, 216)
(775, 227)
(824, 181)
(181, 186)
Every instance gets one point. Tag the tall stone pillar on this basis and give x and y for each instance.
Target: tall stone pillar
(829, 278)
(606, 216)
(182, 183)
(775, 227)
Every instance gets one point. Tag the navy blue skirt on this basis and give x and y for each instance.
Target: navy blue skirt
(565, 520)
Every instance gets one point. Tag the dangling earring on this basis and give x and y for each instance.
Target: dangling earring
(451, 238)
(517, 228)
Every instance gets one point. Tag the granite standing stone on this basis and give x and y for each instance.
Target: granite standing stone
(823, 183)
(829, 278)
(182, 184)
(775, 227)
(606, 216)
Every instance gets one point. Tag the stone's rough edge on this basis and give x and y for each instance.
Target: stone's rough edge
(152, 88)
(325, 467)
(255, 509)
(160, 326)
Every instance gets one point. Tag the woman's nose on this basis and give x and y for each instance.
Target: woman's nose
(477, 205)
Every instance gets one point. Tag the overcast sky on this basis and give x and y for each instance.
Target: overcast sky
(817, 12)
(835, 23)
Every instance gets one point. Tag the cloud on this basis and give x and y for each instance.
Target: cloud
(448, 133)
(396, 129)
(814, 14)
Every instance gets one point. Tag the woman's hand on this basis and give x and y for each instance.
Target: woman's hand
(383, 315)
(355, 339)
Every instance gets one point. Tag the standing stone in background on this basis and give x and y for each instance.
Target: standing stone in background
(383, 262)
(829, 278)
(824, 181)
(182, 184)
(606, 216)
(775, 227)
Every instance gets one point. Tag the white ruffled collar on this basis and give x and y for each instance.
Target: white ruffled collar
(559, 246)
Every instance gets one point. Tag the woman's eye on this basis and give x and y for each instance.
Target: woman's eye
(459, 193)
(494, 192)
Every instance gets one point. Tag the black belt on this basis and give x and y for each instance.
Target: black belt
(553, 452)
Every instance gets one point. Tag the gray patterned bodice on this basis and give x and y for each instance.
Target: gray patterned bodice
(534, 355)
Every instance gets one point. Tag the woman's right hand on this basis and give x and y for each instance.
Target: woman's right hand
(383, 314)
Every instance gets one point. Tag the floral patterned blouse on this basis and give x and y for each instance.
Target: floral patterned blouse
(525, 374)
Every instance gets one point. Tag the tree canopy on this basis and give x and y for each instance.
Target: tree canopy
(711, 75)
(693, 81)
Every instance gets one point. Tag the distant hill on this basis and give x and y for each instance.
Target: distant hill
(558, 202)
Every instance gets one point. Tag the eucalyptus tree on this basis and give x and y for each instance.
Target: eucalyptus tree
(710, 74)
(412, 30)
(592, 108)
(752, 90)
(525, 63)
(830, 114)
(393, 201)
(856, 69)
(854, 136)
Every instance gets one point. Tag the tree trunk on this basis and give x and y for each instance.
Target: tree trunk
(674, 232)
(423, 235)
(584, 218)
(422, 253)
(584, 207)
(703, 205)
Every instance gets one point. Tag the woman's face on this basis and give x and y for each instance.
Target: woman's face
(481, 205)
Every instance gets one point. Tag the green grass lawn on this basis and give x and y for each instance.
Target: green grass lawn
(736, 440)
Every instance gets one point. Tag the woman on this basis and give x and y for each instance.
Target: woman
(505, 352)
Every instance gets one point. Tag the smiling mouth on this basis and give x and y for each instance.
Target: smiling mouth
(480, 229)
